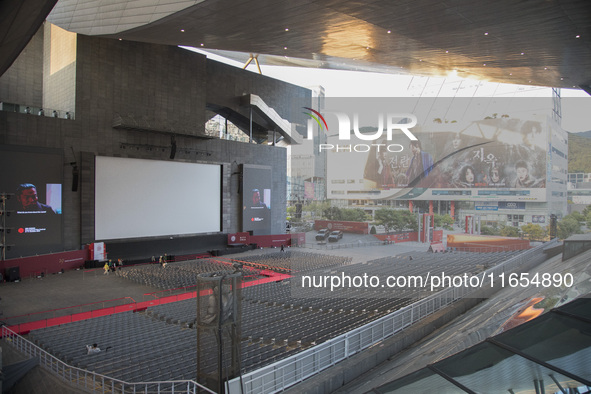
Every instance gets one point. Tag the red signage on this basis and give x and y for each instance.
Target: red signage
(346, 227)
(239, 239)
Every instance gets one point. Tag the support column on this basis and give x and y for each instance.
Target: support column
(430, 207)
(410, 206)
(452, 210)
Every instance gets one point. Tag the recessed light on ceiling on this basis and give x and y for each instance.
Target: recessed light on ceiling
(389, 32)
(522, 53)
(202, 44)
(545, 68)
(510, 73)
(578, 36)
(286, 29)
(562, 79)
(486, 34)
(484, 64)
(182, 30)
(284, 47)
(446, 51)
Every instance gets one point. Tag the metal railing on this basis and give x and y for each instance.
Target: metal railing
(287, 372)
(94, 382)
(338, 245)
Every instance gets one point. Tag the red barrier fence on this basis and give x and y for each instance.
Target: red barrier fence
(47, 263)
(344, 226)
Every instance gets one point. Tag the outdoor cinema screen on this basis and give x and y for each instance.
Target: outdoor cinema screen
(147, 198)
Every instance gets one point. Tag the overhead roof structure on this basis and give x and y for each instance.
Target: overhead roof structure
(537, 42)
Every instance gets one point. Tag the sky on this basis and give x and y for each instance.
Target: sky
(576, 104)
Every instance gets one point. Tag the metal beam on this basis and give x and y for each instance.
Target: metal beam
(540, 362)
(450, 379)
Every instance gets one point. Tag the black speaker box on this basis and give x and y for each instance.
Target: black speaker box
(13, 274)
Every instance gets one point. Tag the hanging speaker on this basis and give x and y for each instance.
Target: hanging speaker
(75, 174)
(172, 147)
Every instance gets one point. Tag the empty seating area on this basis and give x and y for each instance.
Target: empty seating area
(177, 275)
(160, 343)
(296, 261)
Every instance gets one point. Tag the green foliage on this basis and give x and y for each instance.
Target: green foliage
(579, 153)
(333, 213)
(354, 215)
(509, 231)
(578, 216)
(443, 221)
(569, 225)
(385, 217)
(397, 220)
(316, 208)
(533, 232)
(486, 230)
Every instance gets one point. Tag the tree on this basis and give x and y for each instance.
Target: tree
(509, 231)
(385, 217)
(568, 226)
(333, 213)
(316, 208)
(533, 232)
(578, 216)
(397, 220)
(353, 215)
(443, 221)
(486, 230)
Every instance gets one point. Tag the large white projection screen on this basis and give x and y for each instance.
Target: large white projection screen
(145, 198)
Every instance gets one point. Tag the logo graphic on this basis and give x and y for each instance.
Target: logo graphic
(316, 118)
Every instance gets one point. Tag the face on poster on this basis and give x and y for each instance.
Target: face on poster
(33, 189)
(445, 149)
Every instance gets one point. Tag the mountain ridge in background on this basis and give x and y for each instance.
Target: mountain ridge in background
(579, 152)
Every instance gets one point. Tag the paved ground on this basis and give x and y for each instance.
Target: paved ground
(26, 300)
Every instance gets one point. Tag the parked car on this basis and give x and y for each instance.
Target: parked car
(335, 236)
(322, 234)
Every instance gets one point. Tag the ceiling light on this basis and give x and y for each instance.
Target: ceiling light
(510, 73)
(446, 51)
(486, 34)
(286, 29)
(522, 53)
(182, 30)
(577, 36)
(389, 32)
(284, 47)
(562, 79)
(545, 68)
(202, 44)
